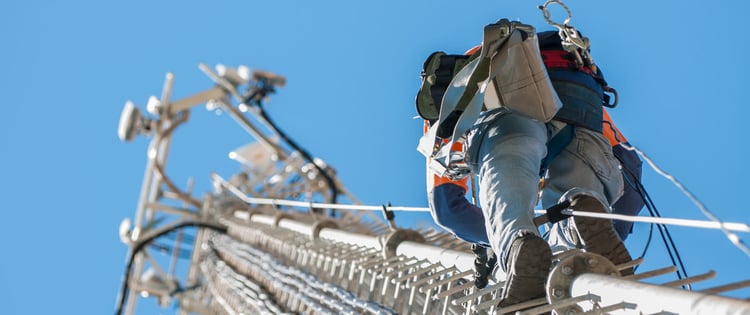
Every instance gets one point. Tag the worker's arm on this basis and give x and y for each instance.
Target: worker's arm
(451, 210)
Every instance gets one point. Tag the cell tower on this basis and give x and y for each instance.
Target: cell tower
(259, 243)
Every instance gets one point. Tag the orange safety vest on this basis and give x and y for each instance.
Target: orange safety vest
(613, 134)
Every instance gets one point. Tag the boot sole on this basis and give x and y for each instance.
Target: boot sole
(598, 235)
(528, 272)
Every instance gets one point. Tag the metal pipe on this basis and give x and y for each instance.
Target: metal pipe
(264, 219)
(652, 273)
(183, 212)
(447, 257)
(161, 155)
(214, 93)
(147, 191)
(299, 227)
(175, 253)
(690, 280)
(653, 298)
(132, 300)
(727, 287)
(325, 233)
(147, 182)
(351, 238)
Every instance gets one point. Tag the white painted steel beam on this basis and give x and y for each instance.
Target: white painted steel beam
(656, 299)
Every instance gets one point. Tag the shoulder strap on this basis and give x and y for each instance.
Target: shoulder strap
(464, 97)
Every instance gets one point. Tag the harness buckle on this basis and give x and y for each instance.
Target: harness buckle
(610, 94)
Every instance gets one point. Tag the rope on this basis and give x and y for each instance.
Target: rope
(729, 226)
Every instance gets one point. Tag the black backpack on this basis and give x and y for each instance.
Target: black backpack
(437, 72)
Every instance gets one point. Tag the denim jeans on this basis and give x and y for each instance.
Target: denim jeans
(505, 150)
(586, 164)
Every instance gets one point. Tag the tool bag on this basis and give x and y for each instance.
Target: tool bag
(508, 72)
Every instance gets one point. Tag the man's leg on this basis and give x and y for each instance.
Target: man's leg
(506, 152)
(588, 167)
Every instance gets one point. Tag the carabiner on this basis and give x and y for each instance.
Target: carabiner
(546, 14)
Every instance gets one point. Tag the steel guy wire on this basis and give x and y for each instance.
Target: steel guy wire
(729, 226)
(726, 228)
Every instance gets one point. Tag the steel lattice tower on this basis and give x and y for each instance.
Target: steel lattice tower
(258, 244)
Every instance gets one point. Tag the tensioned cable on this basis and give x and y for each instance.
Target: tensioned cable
(740, 227)
(255, 96)
(723, 226)
(730, 226)
(666, 236)
(635, 182)
(303, 204)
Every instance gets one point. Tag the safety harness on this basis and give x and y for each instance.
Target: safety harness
(566, 54)
(440, 68)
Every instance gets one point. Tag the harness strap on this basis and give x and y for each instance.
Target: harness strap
(465, 97)
(556, 145)
(447, 68)
(560, 59)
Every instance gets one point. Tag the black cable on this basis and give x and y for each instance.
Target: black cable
(663, 231)
(629, 182)
(137, 247)
(331, 184)
(668, 239)
(648, 242)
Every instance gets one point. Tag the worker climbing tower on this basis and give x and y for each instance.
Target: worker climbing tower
(276, 238)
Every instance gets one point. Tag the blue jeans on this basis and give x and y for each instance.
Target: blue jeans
(586, 164)
(505, 150)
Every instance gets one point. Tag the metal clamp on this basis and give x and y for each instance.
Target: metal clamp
(396, 237)
(281, 216)
(570, 265)
(319, 225)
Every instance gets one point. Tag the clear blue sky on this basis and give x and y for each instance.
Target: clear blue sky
(353, 70)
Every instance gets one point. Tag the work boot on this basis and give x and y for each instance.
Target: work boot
(527, 268)
(598, 236)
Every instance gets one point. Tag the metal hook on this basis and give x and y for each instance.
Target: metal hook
(572, 41)
(567, 32)
(546, 14)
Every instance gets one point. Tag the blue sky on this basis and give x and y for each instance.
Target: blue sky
(353, 70)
